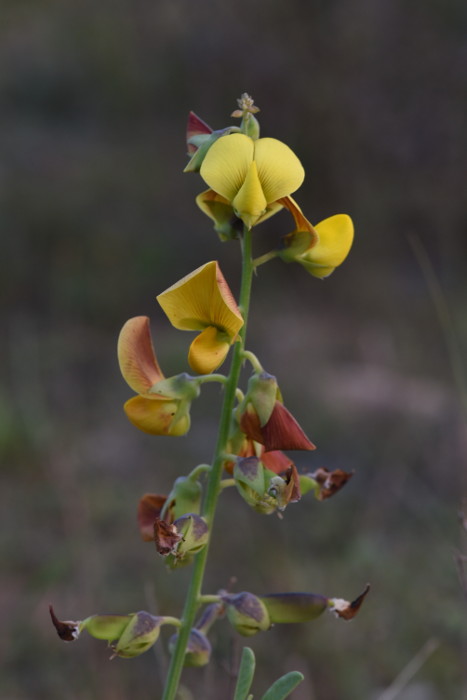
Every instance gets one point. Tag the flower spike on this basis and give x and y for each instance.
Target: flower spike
(202, 301)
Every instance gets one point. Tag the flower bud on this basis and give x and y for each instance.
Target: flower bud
(263, 393)
(247, 613)
(294, 607)
(186, 496)
(198, 650)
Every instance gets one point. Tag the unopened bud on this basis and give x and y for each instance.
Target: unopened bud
(186, 496)
(247, 613)
(263, 393)
(198, 650)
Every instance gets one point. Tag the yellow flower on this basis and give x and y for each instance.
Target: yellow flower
(250, 175)
(151, 412)
(202, 301)
(321, 248)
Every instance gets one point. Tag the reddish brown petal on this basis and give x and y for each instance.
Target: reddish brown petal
(166, 537)
(276, 461)
(348, 610)
(282, 432)
(66, 630)
(149, 510)
(330, 482)
(293, 493)
(250, 425)
(194, 127)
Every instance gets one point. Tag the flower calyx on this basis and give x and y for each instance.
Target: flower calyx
(246, 613)
(182, 539)
(262, 489)
(199, 139)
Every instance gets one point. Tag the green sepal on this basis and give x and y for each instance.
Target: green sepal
(246, 673)
(108, 627)
(262, 393)
(203, 142)
(247, 613)
(249, 472)
(295, 244)
(294, 607)
(282, 688)
(195, 534)
(186, 496)
(181, 386)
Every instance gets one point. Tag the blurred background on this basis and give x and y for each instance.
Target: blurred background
(97, 218)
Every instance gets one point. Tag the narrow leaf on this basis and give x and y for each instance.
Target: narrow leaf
(283, 687)
(245, 674)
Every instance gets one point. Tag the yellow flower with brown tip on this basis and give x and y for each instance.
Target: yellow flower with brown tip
(151, 412)
(202, 301)
(250, 175)
(320, 248)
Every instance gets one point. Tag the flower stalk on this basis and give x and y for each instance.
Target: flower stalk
(193, 598)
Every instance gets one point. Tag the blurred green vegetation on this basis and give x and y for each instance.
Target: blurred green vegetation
(96, 219)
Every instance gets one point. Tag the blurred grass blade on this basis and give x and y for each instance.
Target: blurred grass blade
(284, 686)
(245, 674)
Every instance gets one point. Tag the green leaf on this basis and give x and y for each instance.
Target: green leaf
(245, 674)
(284, 686)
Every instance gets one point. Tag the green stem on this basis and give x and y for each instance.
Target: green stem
(265, 258)
(209, 507)
(212, 378)
(253, 360)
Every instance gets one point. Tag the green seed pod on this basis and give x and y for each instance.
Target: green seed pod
(247, 613)
(294, 607)
(108, 627)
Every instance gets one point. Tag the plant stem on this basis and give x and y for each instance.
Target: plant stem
(192, 601)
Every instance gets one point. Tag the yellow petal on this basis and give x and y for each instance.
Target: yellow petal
(155, 416)
(226, 164)
(335, 236)
(136, 356)
(250, 202)
(208, 351)
(202, 299)
(279, 169)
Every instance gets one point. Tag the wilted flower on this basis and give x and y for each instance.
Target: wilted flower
(202, 301)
